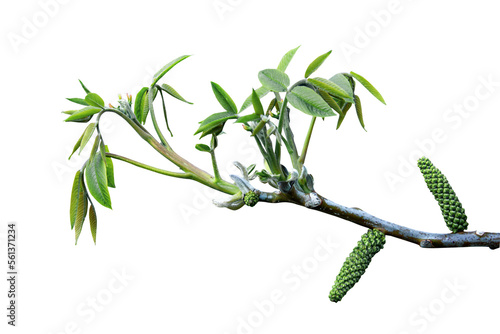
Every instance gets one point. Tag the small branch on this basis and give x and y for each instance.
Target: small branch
(306, 142)
(198, 174)
(150, 168)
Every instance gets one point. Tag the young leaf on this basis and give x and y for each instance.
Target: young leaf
(286, 59)
(330, 87)
(274, 80)
(344, 83)
(346, 108)
(81, 214)
(166, 68)
(368, 86)
(93, 222)
(97, 141)
(97, 180)
(69, 112)
(316, 64)
(87, 91)
(75, 198)
(145, 107)
(308, 101)
(359, 111)
(102, 151)
(139, 104)
(259, 127)
(213, 121)
(202, 147)
(224, 99)
(257, 105)
(77, 100)
(82, 114)
(330, 101)
(261, 92)
(77, 145)
(94, 100)
(351, 80)
(172, 92)
(86, 135)
(110, 171)
(248, 118)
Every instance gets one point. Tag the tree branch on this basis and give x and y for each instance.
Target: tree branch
(358, 216)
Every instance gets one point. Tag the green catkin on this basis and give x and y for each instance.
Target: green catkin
(451, 208)
(356, 263)
(251, 198)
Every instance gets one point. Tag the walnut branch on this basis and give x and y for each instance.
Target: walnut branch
(360, 217)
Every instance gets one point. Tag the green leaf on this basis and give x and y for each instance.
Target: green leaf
(97, 180)
(83, 114)
(81, 214)
(94, 100)
(271, 106)
(86, 135)
(224, 99)
(203, 147)
(344, 83)
(359, 111)
(77, 100)
(145, 107)
(259, 127)
(166, 68)
(368, 86)
(87, 91)
(76, 191)
(248, 118)
(316, 63)
(346, 108)
(93, 222)
(330, 101)
(77, 145)
(102, 151)
(110, 171)
(69, 112)
(257, 105)
(213, 121)
(308, 101)
(261, 92)
(97, 141)
(286, 59)
(274, 80)
(139, 104)
(351, 80)
(330, 88)
(172, 92)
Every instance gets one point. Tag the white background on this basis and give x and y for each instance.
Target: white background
(192, 268)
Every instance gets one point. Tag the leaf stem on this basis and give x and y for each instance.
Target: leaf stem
(153, 117)
(165, 112)
(150, 168)
(214, 161)
(306, 142)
